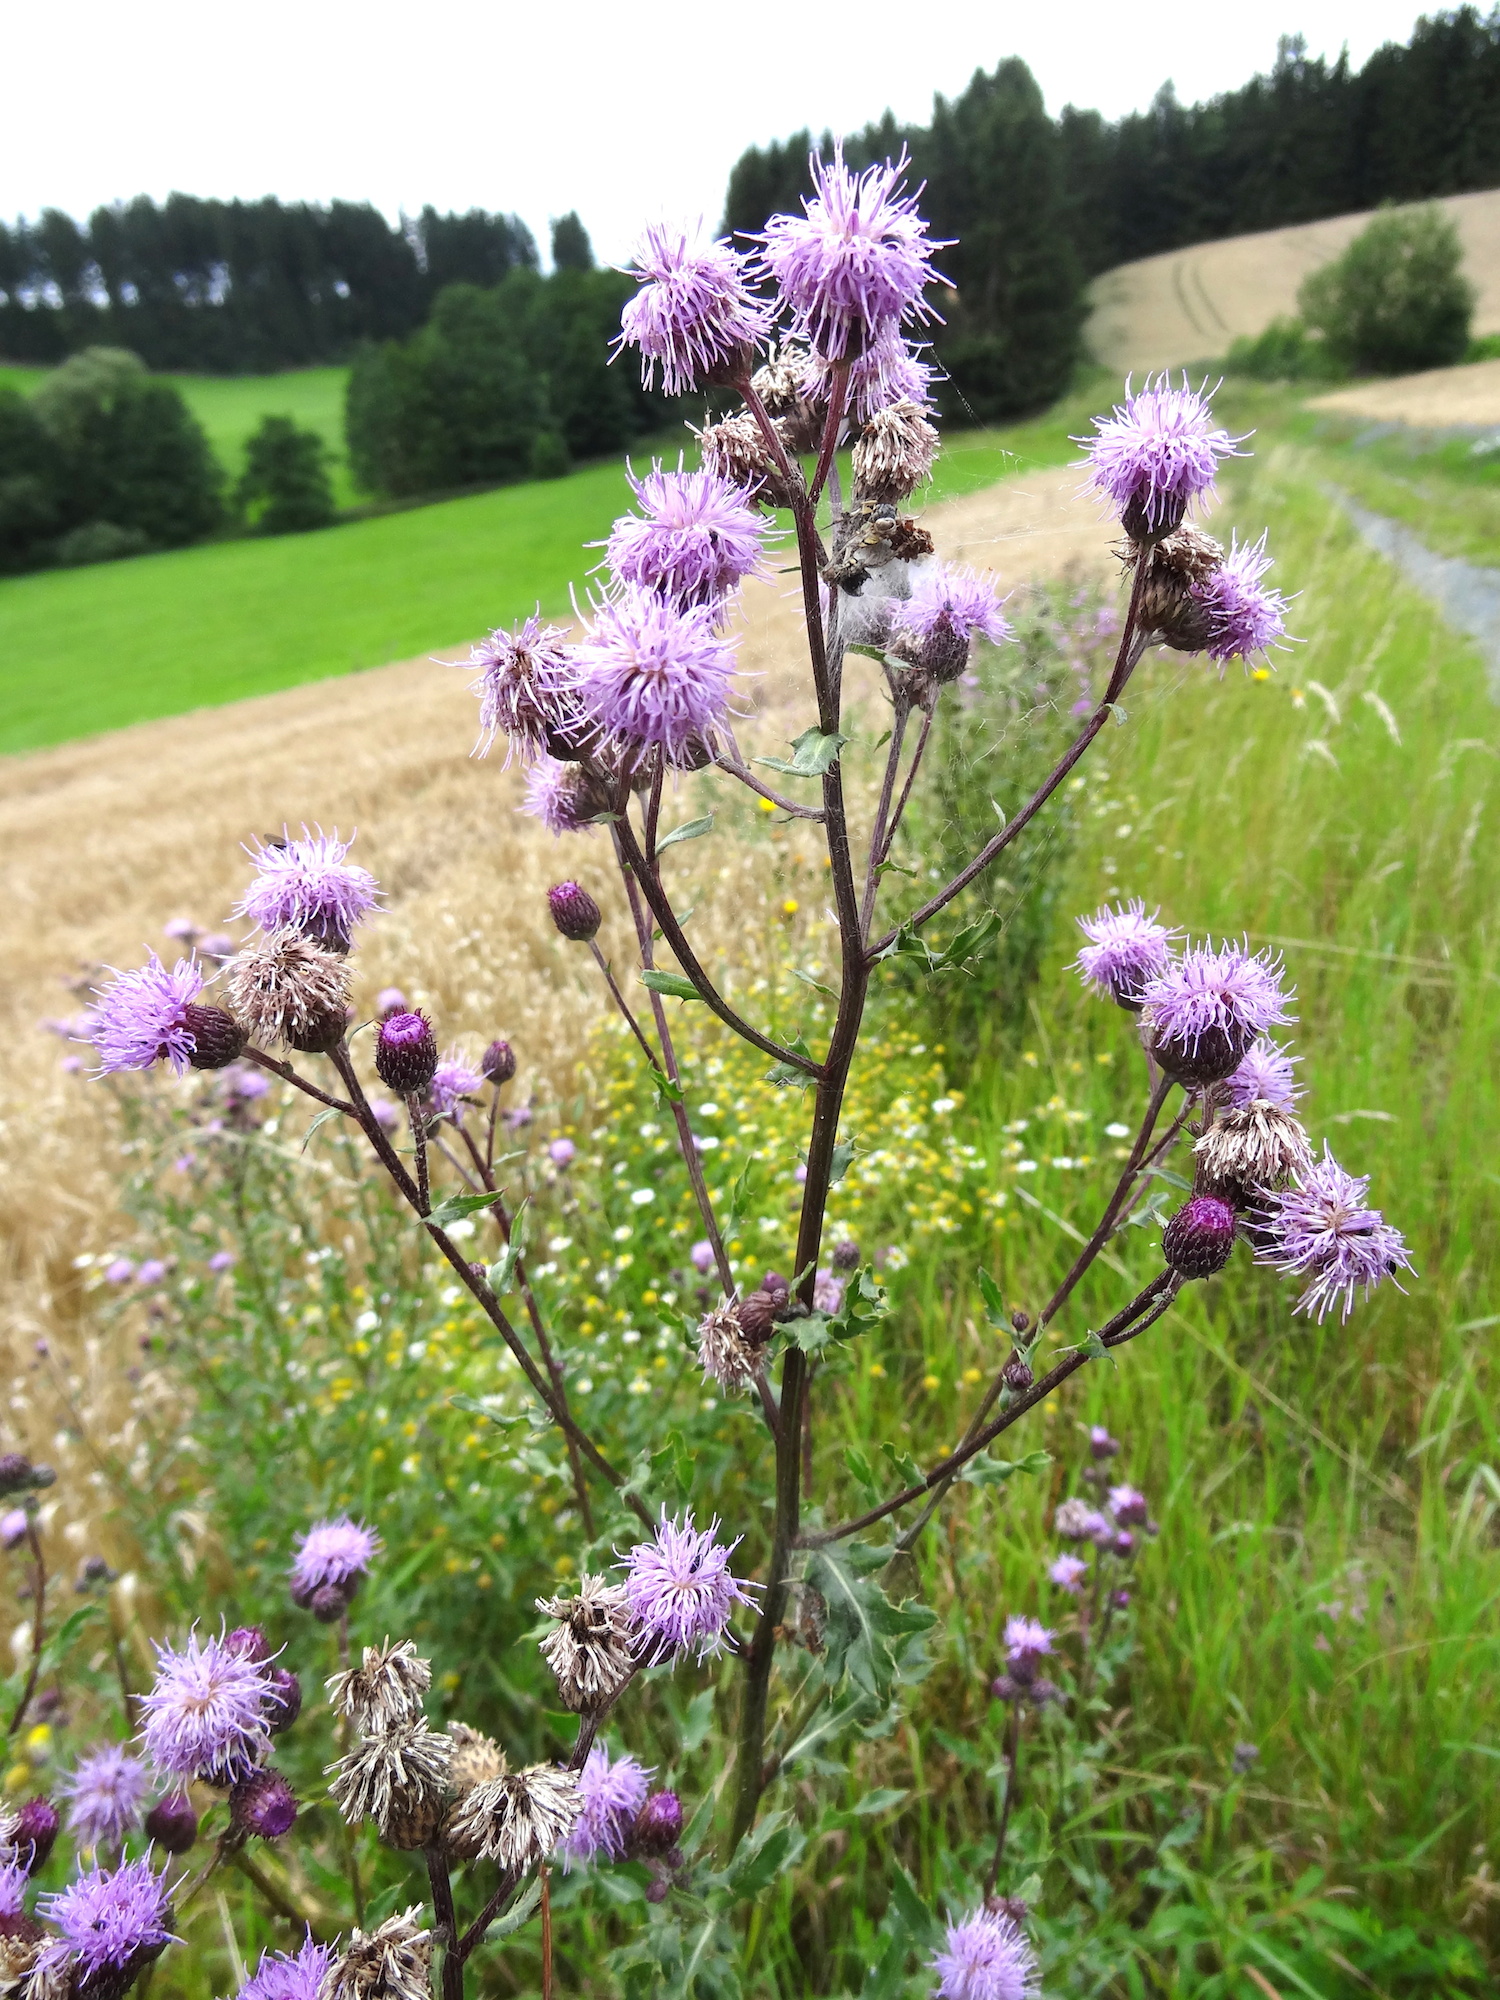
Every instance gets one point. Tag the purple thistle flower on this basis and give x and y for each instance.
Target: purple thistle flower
(527, 684)
(143, 1016)
(694, 313)
(701, 1256)
(856, 259)
(105, 1790)
(33, 1831)
(13, 1880)
(1068, 1573)
(1027, 1643)
(679, 1589)
(1128, 1506)
(332, 1554)
(1199, 1239)
(1101, 1444)
(205, 1712)
(452, 1081)
(562, 1152)
(1243, 617)
(656, 675)
(1077, 1521)
(290, 1976)
(890, 370)
(307, 885)
(613, 1792)
(828, 1292)
(1157, 454)
(152, 1271)
(119, 1271)
(986, 1957)
(1264, 1077)
(1125, 950)
(555, 797)
(13, 1523)
(949, 607)
(1208, 1006)
(111, 1922)
(1321, 1229)
(700, 537)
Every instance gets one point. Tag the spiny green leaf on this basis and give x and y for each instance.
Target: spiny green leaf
(813, 753)
(983, 1471)
(671, 983)
(664, 1086)
(843, 1155)
(457, 1206)
(692, 829)
(789, 1073)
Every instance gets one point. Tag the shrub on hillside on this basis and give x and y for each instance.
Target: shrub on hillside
(31, 506)
(1284, 352)
(1397, 299)
(285, 488)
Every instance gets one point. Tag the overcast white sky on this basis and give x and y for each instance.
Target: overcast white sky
(622, 111)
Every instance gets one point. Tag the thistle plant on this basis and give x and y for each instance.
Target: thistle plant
(811, 334)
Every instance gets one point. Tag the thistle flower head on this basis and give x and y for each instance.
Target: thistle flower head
(406, 1053)
(658, 1825)
(890, 373)
(1250, 1146)
(657, 676)
(1157, 453)
(1265, 1076)
(527, 682)
(105, 1792)
(986, 1957)
(949, 607)
(399, 1779)
(264, 1805)
(894, 453)
(611, 1792)
(855, 260)
(680, 1591)
(694, 315)
(516, 1820)
(27, 1835)
(391, 1963)
(386, 1688)
(589, 1649)
(205, 1712)
(1027, 1643)
(1068, 1572)
(453, 1080)
(734, 450)
(726, 1355)
(172, 1823)
(13, 1880)
(1128, 1505)
(288, 989)
(336, 1552)
(561, 796)
(143, 1017)
(297, 1975)
(476, 1759)
(1126, 949)
(109, 1920)
(1243, 617)
(1101, 1444)
(1207, 1007)
(309, 886)
(697, 538)
(1199, 1239)
(1322, 1229)
(1077, 1521)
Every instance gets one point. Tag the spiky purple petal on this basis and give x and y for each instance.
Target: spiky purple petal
(657, 676)
(105, 1790)
(141, 1017)
(679, 1589)
(613, 1791)
(700, 536)
(1158, 452)
(986, 1957)
(107, 1919)
(1244, 618)
(205, 1712)
(694, 315)
(1125, 950)
(1322, 1229)
(309, 885)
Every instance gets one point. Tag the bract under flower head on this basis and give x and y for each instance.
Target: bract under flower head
(1126, 949)
(105, 1792)
(986, 1957)
(527, 682)
(658, 677)
(612, 1792)
(1321, 1229)
(1157, 453)
(1230, 989)
(700, 537)
(679, 1589)
(332, 1552)
(694, 316)
(296, 1975)
(205, 1713)
(142, 1017)
(856, 259)
(1244, 617)
(307, 885)
(1264, 1075)
(109, 1919)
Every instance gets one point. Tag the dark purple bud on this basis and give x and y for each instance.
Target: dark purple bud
(263, 1804)
(1013, 1907)
(1200, 1236)
(1216, 1053)
(249, 1640)
(320, 1033)
(283, 1704)
(328, 1603)
(575, 912)
(498, 1063)
(406, 1053)
(658, 1825)
(845, 1255)
(94, 1573)
(757, 1316)
(218, 1038)
(656, 1889)
(1005, 1688)
(36, 1829)
(1101, 1444)
(172, 1823)
(1017, 1375)
(19, 1475)
(1020, 1321)
(1124, 1543)
(1122, 1600)
(1041, 1692)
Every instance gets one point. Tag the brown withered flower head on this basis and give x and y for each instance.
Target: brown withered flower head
(728, 1356)
(284, 989)
(589, 1649)
(399, 1779)
(476, 1759)
(894, 452)
(517, 1820)
(392, 1963)
(1252, 1146)
(384, 1690)
(1168, 609)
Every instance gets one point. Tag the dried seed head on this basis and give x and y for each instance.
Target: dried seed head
(285, 989)
(21, 1941)
(590, 1650)
(894, 453)
(517, 1820)
(385, 1690)
(1251, 1146)
(728, 1357)
(783, 385)
(392, 1963)
(399, 1779)
(476, 1759)
(735, 449)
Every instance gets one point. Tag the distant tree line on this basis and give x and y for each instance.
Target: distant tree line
(235, 287)
(1039, 205)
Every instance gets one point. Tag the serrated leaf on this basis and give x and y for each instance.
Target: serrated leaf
(994, 1303)
(761, 1856)
(697, 1722)
(813, 753)
(664, 1086)
(476, 1408)
(691, 829)
(863, 1630)
(783, 1073)
(808, 980)
(811, 1333)
(860, 1469)
(457, 1206)
(843, 1155)
(671, 983)
(1095, 1349)
(502, 1270)
(519, 1912)
(984, 1471)
(904, 1465)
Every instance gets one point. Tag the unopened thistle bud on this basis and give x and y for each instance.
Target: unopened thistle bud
(250, 1640)
(574, 911)
(728, 1356)
(517, 1820)
(392, 1963)
(384, 1691)
(757, 1315)
(283, 1702)
(286, 989)
(1249, 1147)
(19, 1475)
(476, 1759)
(400, 1780)
(1020, 1320)
(845, 1254)
(894, 453)
(406, 1053)
(263, 1805)
(218, 1038)
(172, 1824)
(590, 1651)
(1017, 1375)
(658, 1826)
(31, 1833)
(498, 1063)
(1200, 1236)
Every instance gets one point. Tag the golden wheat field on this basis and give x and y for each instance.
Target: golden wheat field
(1432, 400)
(1188, 305)
(106, 840)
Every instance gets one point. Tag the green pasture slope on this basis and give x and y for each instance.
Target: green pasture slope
(85, 650)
